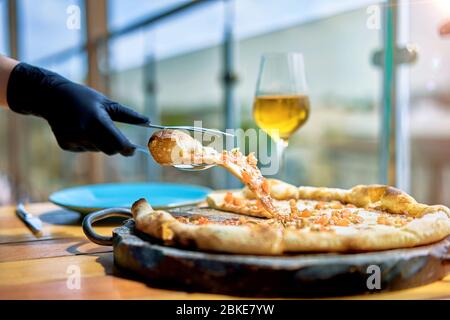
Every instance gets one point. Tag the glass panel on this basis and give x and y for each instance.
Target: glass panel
(121, 58)
(190, 31)
(3, 27)
(4, 185)
(430, 102)
(125, 12)
(255, 17)
(50, 20)
(338, 144)
(165, 76)
(126, 75)
(73, 68)
(172, 71)
(188, 77)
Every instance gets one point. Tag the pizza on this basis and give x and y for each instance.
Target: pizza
(272, 217)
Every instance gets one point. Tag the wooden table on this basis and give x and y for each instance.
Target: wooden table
(42, 267)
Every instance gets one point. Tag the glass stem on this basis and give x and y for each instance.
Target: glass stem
(281, 153)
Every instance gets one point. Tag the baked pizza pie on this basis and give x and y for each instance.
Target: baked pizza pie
(275, 218)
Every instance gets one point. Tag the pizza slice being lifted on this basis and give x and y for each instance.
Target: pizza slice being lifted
(174, 147)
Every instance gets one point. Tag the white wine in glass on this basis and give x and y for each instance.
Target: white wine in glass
(281, 103)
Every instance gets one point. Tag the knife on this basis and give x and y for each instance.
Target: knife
(32, 222)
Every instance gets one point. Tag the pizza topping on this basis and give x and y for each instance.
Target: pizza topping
(265, 186)
(251, 160)
(245, 167)
(322, 220)
(306, 213)
(382, 220)
(301, 214)
(235, 203)
(196, 219)
(246, 178)
(238, 202)
(242, 220)
(293, 207)
(199, 220)
(321, 205)
(259, 204)
(228, 197)
(231, 222)
(203, 220)
(393, 221)
(182, 219)
(232, 200)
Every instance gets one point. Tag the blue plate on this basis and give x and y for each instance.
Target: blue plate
(90, 198)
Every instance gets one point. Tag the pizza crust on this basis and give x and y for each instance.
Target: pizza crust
(375, 196)
(380, 197)
(216, 200)
(279, 190)
(257, 239)
(418, 232)
(264, 239)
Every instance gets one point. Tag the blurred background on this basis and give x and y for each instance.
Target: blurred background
(378, 74)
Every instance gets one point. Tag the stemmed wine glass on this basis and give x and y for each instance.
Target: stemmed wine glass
(281, 103)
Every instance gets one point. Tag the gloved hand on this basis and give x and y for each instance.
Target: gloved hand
(80, 117)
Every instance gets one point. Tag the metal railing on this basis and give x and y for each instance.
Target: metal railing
(100, 41)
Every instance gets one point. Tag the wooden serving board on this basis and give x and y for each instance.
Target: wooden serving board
(311, 275)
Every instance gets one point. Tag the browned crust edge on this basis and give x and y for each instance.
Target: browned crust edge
(381, 197)
(270, 240)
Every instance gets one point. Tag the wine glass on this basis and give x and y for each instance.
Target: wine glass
(281, 103)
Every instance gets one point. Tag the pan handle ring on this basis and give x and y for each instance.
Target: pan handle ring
(100, 215)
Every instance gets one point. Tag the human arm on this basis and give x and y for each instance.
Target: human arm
(6, 66)
(80, 117)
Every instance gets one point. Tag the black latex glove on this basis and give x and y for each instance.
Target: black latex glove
(80, 117)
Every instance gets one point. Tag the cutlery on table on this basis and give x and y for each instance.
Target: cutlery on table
(32, 222)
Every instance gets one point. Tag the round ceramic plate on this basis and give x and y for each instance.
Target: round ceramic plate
(90, 198)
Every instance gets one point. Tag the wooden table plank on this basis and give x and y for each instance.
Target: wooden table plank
(49, 248)
(57, 223)
(56, 268)
(47, 279)
(103, 287)
(436, 290)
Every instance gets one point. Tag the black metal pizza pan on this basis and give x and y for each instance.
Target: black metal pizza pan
(300, 275)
